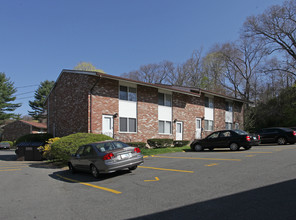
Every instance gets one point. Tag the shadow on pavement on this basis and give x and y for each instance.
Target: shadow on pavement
(7, 155)
(272, 202)
(86, 177)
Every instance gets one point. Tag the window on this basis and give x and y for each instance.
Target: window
(214, 135)
(228, 106)
(209, 125)
(127, 93)
(209, 102)
(236, 125)
(228, 125)
(225, 134)
(127, 124)
(164, 99)
(164, 127)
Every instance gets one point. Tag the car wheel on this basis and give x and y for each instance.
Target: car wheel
(133, 168)
(94, 171)
(234, 147)
(71, 168)
(248, 148)
(281, 141)
(198, 147)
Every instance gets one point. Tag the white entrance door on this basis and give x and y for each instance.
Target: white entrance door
(198, 128)
(179, 131)
(108, 125)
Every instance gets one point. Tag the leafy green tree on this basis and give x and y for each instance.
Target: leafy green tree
(86, 66)
(7, 90)
(38, 104)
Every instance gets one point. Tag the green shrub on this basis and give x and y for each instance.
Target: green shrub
(158, 143)
(34, 138)
(10, 142)
(137, 144)
(181, 143)
(65, 146)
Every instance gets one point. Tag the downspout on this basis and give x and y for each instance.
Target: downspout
(90, 104)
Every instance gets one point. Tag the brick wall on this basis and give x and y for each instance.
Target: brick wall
(68, 104)
(15, 130)
(78, 102)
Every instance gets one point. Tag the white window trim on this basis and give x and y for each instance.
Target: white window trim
(128, 132)
(212, 125)
(164, 125)
(210, 98)
(127, 86)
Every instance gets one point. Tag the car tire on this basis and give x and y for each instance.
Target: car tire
(234, 146)
(94, 171)
(71, 168)
(281, 141)
(198, 147)
(248, 148)
(133, 167)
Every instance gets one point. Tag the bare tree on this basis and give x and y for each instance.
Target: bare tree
(276, 28)
(241, 66)
(152, 73)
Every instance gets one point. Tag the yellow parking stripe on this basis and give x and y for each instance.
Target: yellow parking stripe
(10, 170)
(91, 185)
(12, 167)
(198, 158)
(155, 168)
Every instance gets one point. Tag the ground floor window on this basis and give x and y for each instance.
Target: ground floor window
(228, 125)
(209, 125)
(127, 124)
(236, 125)
(164, 127)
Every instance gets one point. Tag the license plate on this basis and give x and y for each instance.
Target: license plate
(125, 156)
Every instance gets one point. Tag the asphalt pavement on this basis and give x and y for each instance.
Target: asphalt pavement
(255, 184)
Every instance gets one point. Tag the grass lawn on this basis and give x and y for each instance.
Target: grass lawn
(148, 152)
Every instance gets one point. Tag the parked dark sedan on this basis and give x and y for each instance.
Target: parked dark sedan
(277, 135)
(105, 157)
(233, 139)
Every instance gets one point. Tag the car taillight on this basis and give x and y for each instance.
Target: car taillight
(108, 156)
(248, 138)
(259, 137)
(294, 133)
(137, 150)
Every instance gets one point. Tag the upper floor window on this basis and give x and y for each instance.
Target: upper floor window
(128, 93)
(229, 106)
(209, 102)
(164, 99)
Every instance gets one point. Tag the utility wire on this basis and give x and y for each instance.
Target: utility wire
(26, 86)
(25, 97)
(24, 93)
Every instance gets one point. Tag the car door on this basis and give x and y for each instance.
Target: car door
(76, 160)
(87, 157)
(269, 135)
(224, 139)
(212, 140)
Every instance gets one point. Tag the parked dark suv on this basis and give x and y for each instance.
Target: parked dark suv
(277, 135)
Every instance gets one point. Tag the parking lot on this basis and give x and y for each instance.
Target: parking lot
(220, 184)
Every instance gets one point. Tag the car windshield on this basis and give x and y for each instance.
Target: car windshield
(108, 146)
(240, 132)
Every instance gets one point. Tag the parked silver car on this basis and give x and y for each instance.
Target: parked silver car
(105, 157)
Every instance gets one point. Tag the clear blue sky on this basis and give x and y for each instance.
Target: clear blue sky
(39, 38)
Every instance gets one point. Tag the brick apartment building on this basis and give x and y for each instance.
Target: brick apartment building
(94, 102)
(16, 129)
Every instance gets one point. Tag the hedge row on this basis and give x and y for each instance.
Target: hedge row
(162, 143)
